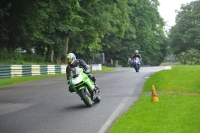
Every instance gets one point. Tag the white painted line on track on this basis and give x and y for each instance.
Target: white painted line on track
(114, 115)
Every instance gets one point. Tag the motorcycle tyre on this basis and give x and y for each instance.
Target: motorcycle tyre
(137, 68)
(86, 99)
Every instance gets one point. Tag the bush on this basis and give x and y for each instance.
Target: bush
(7, 58)
(33, 58)
(190, 57)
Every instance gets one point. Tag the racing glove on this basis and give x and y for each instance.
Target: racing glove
(87, 71)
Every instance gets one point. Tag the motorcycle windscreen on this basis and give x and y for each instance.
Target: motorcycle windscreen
(137, 60)
(77, 77)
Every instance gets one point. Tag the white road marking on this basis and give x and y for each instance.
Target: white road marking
(114, 115)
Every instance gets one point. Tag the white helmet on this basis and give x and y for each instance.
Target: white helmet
(136, 52)
(71, 58)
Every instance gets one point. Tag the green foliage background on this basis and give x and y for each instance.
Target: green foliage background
(47, 30)
(184, 37)
(50, 29)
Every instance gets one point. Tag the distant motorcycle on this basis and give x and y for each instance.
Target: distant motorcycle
(84, 87)
(130, 62)
(136, 64)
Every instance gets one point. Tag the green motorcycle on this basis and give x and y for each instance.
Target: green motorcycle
(84, 86)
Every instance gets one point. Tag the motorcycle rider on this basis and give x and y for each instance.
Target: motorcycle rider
(73, 62)
(137, 54)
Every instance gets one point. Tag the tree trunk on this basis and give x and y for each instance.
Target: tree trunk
(65, 45)
(49, 55)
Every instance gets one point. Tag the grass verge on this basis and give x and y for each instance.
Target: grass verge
(177, 110)
(105, 69)
(9, 81)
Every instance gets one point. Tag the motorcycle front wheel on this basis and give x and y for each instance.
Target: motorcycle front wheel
(85, 97)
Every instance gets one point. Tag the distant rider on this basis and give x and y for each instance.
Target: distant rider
(137, 55)
(73, 62)
(129, 61)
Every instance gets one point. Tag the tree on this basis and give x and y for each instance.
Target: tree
(54, 28)
(144, 33)
(54, 22)
(185, 34)
(4, 7)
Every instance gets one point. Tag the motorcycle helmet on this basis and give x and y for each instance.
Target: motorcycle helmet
(71, 58)
(136, 52)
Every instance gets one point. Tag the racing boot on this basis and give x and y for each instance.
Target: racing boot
(71, 89)
(95, 91)
(97, 88)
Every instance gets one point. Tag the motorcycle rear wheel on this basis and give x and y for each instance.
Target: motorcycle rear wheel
(85, 97)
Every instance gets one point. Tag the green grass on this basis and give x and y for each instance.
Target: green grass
(178, 109)
(9, 81)
(169, 63)
(105, 69)
(180, 78)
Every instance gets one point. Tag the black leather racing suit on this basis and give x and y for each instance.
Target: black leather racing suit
(137, 55)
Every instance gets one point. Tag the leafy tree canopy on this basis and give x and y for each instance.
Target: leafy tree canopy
(114, 27)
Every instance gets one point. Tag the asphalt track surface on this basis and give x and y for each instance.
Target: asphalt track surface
(46, 106)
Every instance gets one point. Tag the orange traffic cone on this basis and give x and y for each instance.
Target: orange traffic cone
(154, 95)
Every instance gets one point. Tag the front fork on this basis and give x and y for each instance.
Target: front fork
(92, 94)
